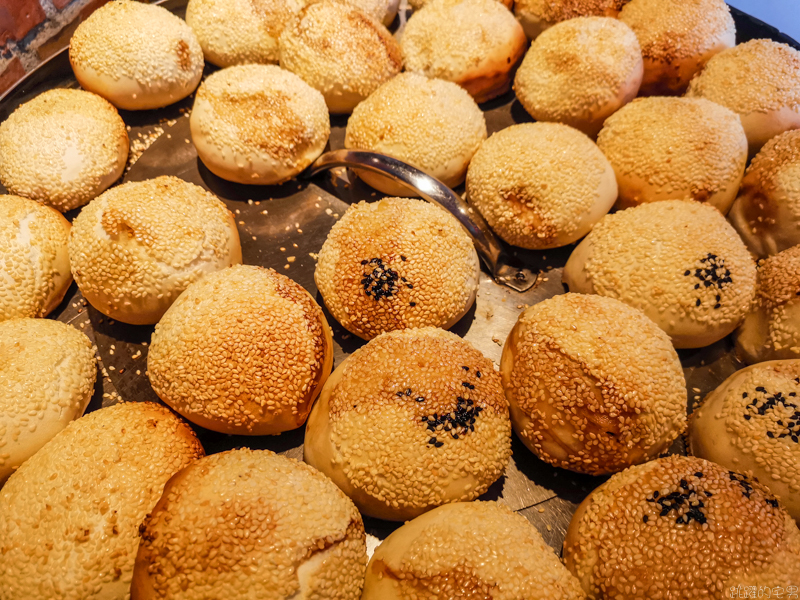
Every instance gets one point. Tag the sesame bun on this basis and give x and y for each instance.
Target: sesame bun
(250, 524)
(397, 263)
(137, 56)
(72, 511)
(680, 527)
(679, 262)
(62, 148)
(135, 248)
(760, 81)
(771, 330)
(474, 43)
(414, 419)
(541, 185)
(751, 423)
(340, 51)
(537, 15)
(675, 149)
(35, 266)
(431, 124)
(258, 124)
(468, 550)
(417, 4)
(557, 363)
(47, 373)
(239, 32)
(245, 350)
(579, 72)
(766, 213)
(678, 37)
(383, 11)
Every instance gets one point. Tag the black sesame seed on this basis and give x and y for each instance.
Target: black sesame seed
(403, 258)
(747, 417)
(697, 303)
(420, 399)
(645, 518)
(687, 273)
(477, 373)
(412, 303)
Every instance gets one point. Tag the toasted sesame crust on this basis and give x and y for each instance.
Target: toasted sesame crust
(383, 11)
(137, 56)
(594, 385)
(245, 350)
(537, 15)
(469, 550)
(135, 248)
(71, 513)
(250, 524)
(397, 263)
(680, 262)
(680, 527)
(414, 419)
(541, 185)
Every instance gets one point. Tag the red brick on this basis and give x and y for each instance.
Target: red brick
(14, 71)
(62, 4)
(18, 17)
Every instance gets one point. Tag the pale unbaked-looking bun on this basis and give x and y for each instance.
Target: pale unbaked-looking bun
(47, 373)
(62, 148)
(250, 524)
(71, 513)
(537, 15)
(760, 81)
(413, 420)
(340, 51)
(397, 263)
(541, 185)
(680, 527)
(766, 213)
(557, 365)
(136, 55)
(678, 38)
(751, 423)
(35, 266)
(135, 248)
(468, 550)
(431, 124)
(243, 351)
(258, 124)
(579, 72)
(474, 43)
(679, 262)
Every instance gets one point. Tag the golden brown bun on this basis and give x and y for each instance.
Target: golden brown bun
(397, 263)
(679, 262)
(244, 350)
(71, 513)
(137, 56)
(541, 185)
(135, 248)
(537, 15)
(383, 11)
(35, 267)
(413, 420)
(675, 149)
(468, 550)
(558, 362)
(680, 527)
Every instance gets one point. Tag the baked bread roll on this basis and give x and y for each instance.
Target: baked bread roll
(751, 423)
(244, 351)
(462, 550)
(766, 214)
(383, 11)
(537, 15)
(541, 185)
(134, 249)
(474, 43)
(397, 263)
(135, 55)
(71, 513)
(760, 81)
(681, 527)
(35, 266)
(417, 4)
(558, 364)
(413, 420)
(678, 38)
(62, 148)
(47, 373)
(675, 149)
(431, 124)
(679, 262)
(258, 124)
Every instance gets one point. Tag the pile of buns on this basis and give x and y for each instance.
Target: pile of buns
(647, 115)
